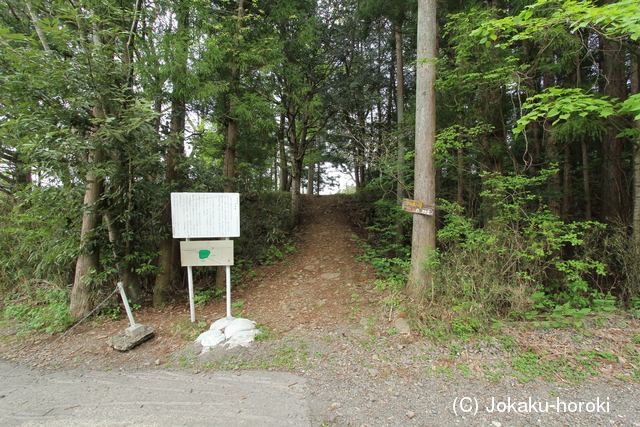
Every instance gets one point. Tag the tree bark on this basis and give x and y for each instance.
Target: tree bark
(460, 186)
(402, 150)
(231, 121)
(88, 261)
(423, 243)
(36, 25)
(296, 175)
(613, 191)
(310, 172)
(635, 89)
(162, 288)
(585, 179)
(284, 169)
(566, 183)
(228, 169)
(552, 158)
(310, 177)
(296, 172)
(169, 260)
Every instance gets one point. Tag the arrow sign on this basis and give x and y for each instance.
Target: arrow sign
(417, 207)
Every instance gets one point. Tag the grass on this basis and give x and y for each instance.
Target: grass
(34, 309)
(187, 330)
(284, 357)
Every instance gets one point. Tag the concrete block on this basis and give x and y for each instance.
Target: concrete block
(135, 331)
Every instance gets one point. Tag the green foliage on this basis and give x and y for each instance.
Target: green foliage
(614, 20)
(530, 366)
(39, 240)
(37, 309)
(201, 296)
(616, 248)
(384, 249)
(517, 254)
(265, 333)
(385, 230)
(264, 234)
(237, 306)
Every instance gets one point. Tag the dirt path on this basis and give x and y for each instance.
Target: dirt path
(320, 284)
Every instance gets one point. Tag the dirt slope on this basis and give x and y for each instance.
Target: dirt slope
(318, 284)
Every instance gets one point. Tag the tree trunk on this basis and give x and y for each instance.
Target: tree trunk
(400, 107)
(552, 158)
(310, 172)
(230, 153)
(169, 260)
(296, 172)
(284, 169)
(36, 25)
(231, 121)
(460, 187)
(162, 288)
(282, 153)
(423, 243)
(566, 183)
(88, 261)
(356, 170)
(228, 169)
(585, 179)
(635, 89)
(121, 251)
(402, 149)
(613, 191)
(310, 177)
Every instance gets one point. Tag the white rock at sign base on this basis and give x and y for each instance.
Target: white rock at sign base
(220, 324)
(230, 331)
(242, 338)
(210, 338)
(238, 325)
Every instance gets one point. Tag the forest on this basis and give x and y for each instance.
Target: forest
(108, 106)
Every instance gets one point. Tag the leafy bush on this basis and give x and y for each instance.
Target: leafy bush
(39, 240)
(616, 248)
(264, 232)
(44, 308)
(518, 252)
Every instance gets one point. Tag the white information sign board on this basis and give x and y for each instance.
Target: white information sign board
(209, 215)
(195, 215)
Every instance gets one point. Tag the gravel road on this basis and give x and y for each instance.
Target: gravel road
(319, 396)
(151, 398)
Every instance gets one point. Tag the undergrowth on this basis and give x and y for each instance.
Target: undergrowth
(36, 308)
(518, 261)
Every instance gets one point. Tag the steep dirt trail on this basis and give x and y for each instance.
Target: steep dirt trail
(320, 283)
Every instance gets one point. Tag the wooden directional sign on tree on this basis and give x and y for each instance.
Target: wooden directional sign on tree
(417, 207)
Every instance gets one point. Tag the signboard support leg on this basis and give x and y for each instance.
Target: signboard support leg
(192, 305)
(228, 274)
